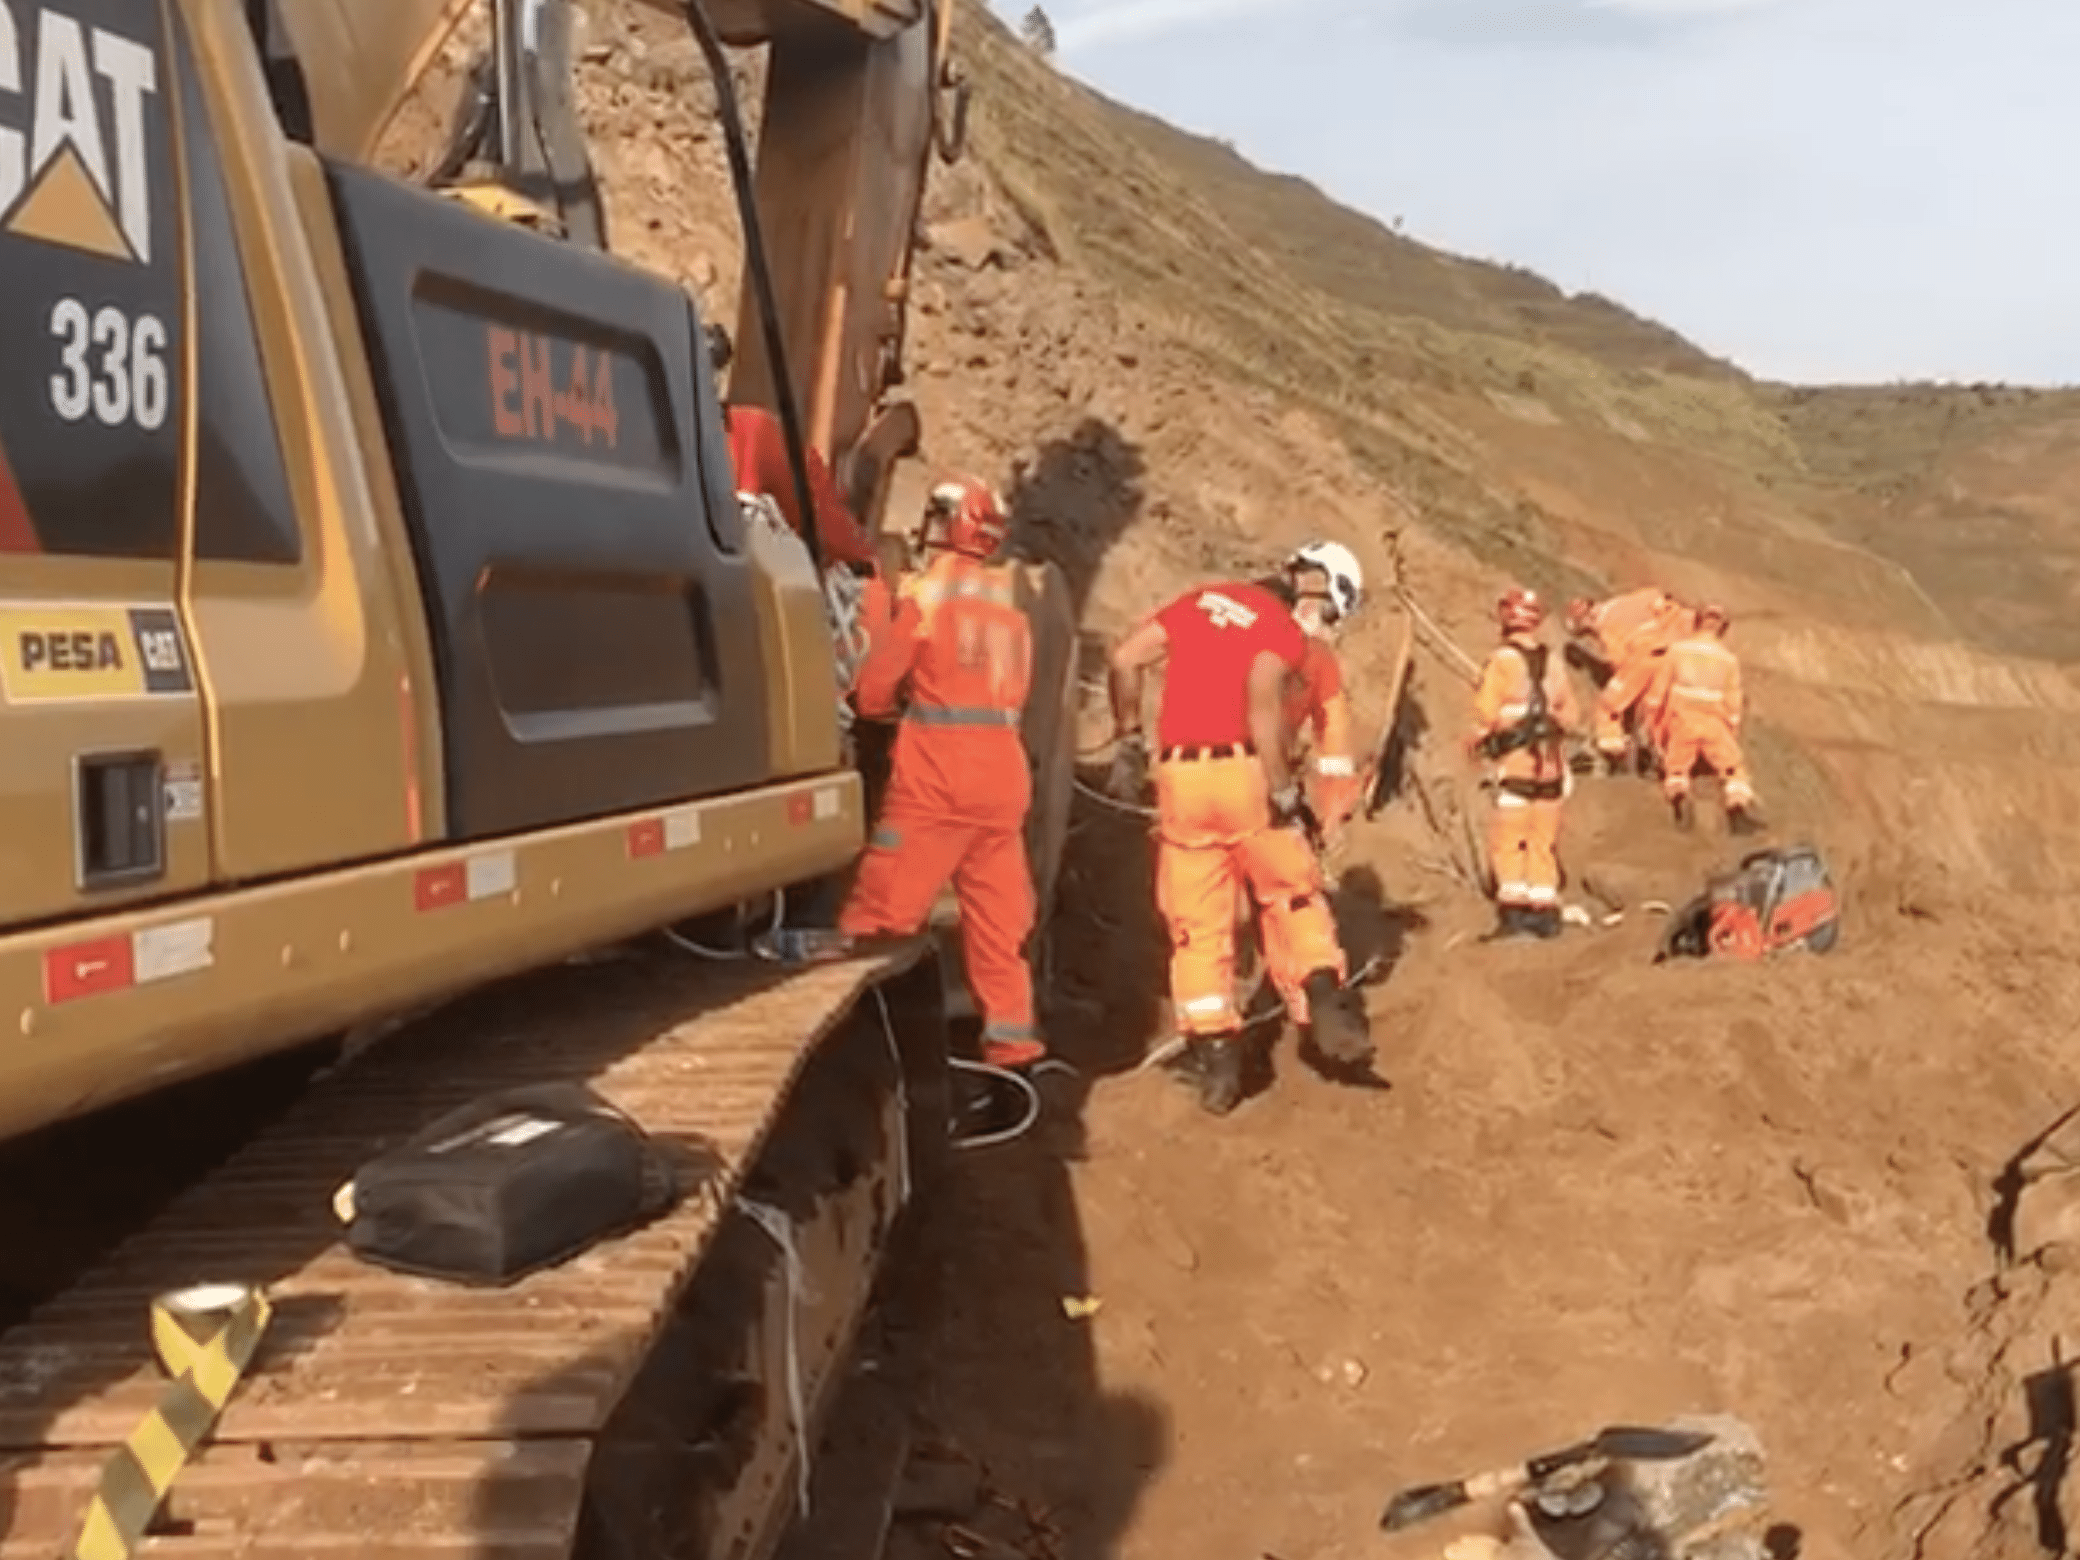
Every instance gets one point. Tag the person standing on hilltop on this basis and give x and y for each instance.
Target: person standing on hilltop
(1230, 814)
(1524, 710)
(1699, 686)
(1621, 643)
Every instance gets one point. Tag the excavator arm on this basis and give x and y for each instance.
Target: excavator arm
(853, 109)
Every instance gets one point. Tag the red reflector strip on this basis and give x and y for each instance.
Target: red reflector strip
(88, 969)
(646, 838)
(436, 888)
(800, 810)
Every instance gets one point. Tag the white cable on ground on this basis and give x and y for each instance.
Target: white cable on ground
(1024, 1086)
(780, 1231)
(729, 955)
(895, 1055)
(1177, 1043)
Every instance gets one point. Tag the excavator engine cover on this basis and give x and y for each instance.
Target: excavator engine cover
(1777, 900)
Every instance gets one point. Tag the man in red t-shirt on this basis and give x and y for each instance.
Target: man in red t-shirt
(1229, 813)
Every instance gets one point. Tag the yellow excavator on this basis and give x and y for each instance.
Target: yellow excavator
(379, 621)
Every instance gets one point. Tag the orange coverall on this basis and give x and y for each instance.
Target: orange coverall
(1315, 706)
(960, 788)
(1700, 682)
(1524, 835)
(758, 452)
(1635, 629)
(1214, 829)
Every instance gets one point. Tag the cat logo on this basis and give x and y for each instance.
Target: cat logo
(73, 107)
(91, 651)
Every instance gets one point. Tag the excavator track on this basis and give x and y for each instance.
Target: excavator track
(654, 1396)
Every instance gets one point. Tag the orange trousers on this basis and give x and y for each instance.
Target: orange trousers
(1214, 837)
(1524, 851)
(955, 813)
(1692, 736)
(1619, 697)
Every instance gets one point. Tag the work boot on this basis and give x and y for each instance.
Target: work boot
(1615, 764)
(799, 945)
(1337, 1023)
(1742, 821)
(1220, 1073)
(1685, 814)
(1510, 924)
(1543, 923)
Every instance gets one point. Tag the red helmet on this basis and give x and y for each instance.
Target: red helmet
(1520, 611)
(1581, 613)
(965, 515)
(1711, 612)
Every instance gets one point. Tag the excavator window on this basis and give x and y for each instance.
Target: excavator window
(243, 509)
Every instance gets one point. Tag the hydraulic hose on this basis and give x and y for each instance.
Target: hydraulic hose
(740, 175)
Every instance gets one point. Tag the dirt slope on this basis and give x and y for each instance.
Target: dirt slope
(1597, 1189)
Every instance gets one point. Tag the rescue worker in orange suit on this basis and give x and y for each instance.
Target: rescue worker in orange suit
(958, 796)
(1621, 642)
(1524, 710)
(1230, 815)
(1700, 684)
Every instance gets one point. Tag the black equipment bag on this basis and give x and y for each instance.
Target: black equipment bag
(509, 1184)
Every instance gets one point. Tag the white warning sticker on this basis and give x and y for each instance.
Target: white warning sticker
(492, 875)
(682, 828)
(179, 948)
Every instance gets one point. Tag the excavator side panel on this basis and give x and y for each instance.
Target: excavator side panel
(101, 705)
(304, 615)
(571, 509)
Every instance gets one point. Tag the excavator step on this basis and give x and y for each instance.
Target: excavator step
(391, 1416)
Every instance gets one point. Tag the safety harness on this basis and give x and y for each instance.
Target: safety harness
(1536, 728)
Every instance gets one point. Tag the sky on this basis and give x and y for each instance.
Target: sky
(1821, 190)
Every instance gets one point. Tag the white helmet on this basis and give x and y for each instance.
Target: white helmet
(1346, 579)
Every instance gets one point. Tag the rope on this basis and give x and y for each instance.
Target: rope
(895, 1055)
(1131, 809)
(1440, 640)
(1277, 1010)
(781, 1232)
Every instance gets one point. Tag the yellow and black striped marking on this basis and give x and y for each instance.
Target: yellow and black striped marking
(205, 1339)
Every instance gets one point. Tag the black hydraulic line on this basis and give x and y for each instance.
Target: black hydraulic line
(761, 275)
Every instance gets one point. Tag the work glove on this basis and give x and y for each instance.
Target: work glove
(1128, 776)
(1289, 809)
